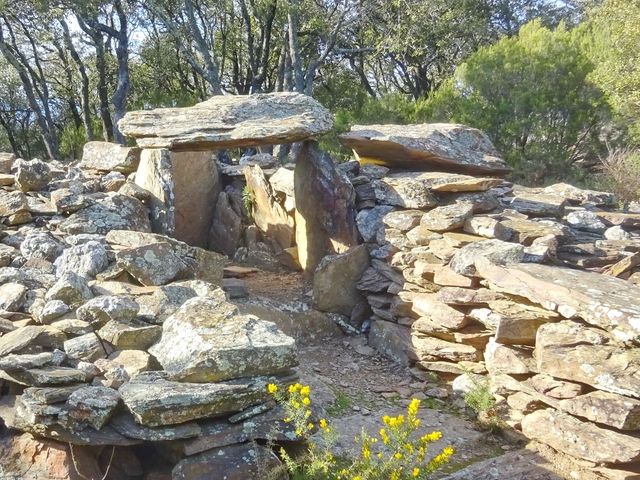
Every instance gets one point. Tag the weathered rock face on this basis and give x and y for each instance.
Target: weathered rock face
(184, 187)
(155, 401)
(579, 439)
(605, 408)
(32, 175)
(226, 227)
(227, 121)
(464, 260)
(574, 352)
(325, 203)
(447, 146)
(207, 341)
(108, 157)
(603, 301)
(334, 283)
(269, 216)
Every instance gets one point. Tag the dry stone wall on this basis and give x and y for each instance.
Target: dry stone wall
(535, 288)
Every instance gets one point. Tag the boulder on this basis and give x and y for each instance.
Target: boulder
(109, 157)
(585, 220)
(581, 196)
(228, 121)
(32, 335)
(269, 216)
(12, 296)
(403, 220)
(92, 406)
(325, 207)
(370, 220)
(70, 288)
(87, 260)
(6, 162)
(334, 282)
(155, 401)
(434, 349)
(427, 305)
(153, 264)
(601, 300)
(393, 341)
(580, 439)
(206, 341)
(130, 335)
(571, 351)
(496, 251)
(537, 204)
(87, 347)
(32, 175)
(439, 145)
(15, 207)
(115, 212)
(100, 310)
(508, 359)
(402, 191)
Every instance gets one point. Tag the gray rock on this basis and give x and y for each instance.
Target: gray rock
(155, 401)
(88, 348)
(581, 196)
(107, 157)
(585, 220)
(447, 146)
(370, 221)
(86, 260)
(15, 207)
(14, 362)
(130, 335)
(449, 217)
(403, 220)
(622, 413)
(537, 204)
(226, 121)
(52, 310)
(402, 191)
(40, 245)
(32, 175)
(205, 341)
(124, 424)
(100, 310)
(12, 296)
(31, 335)
(154, 264)
(496, 251)
(71, 289)
(115, 212)
(67, 201)
(226, 227)
(334, 282)
(91, 406)
(616, 233)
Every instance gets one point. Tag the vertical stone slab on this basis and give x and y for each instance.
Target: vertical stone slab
(196, 186)
(184, 188)
(156, 175)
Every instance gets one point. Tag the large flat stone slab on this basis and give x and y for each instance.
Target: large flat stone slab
(154, 401)
(601, 300)
(438, 145)
(107, 157)
(206, 341)
(580, 439)
(228, 121)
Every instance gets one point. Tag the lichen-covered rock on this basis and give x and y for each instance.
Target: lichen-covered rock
(115, 212)
(438, 145)
(449, 217)
(88, 348)
(92, 406)
(129, 335)
(154, 264)
(605, 408)
(15, 207)
(86, 260)
(497, 251)
(32, 175)
(370, 221)
(154, 401)
(107, 157)
(206, 341)
(580, 439)
(226, 226)
(12, 296)
(41, 245)
(227, 121)
(100, 310)
(70, 288)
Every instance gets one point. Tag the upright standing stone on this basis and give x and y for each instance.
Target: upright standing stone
(325, 207)
(184, 188)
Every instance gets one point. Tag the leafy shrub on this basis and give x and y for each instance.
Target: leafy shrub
(394, 453)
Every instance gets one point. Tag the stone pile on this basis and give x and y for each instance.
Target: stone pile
(471, 275)
(112, 335)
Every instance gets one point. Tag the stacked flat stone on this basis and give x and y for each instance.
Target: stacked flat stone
(113, 335)
(536, 288)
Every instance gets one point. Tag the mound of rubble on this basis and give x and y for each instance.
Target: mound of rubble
(470, 275)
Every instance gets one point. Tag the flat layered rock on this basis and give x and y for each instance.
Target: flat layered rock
(571, 351)
(580, 439)
(206, 341)
(606, 408)
(155, 401)
(109, 157)
(124, 424)
(439, 145)
(434, 349)
(228, 121)
(601, 300)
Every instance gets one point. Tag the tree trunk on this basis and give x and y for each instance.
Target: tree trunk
(294, 47)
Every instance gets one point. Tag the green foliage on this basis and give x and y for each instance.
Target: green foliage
(614, 36)
(340, 406)
(72, 139)
(479, 397)
(622, 173)
(532, 96)
(247, 201)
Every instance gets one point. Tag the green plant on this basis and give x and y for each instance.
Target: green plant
(397, 452)
(480, 399)
(72, 140)
(248, 200)
(340, 406)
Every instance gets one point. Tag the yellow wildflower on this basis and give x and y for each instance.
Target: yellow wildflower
(415, 472)
(306, 401)
(397, 455)
(272, 388)
(323, 423)
(383, 436)
(412, 410)
(305, 391)
(366, 452)
(310, 426)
